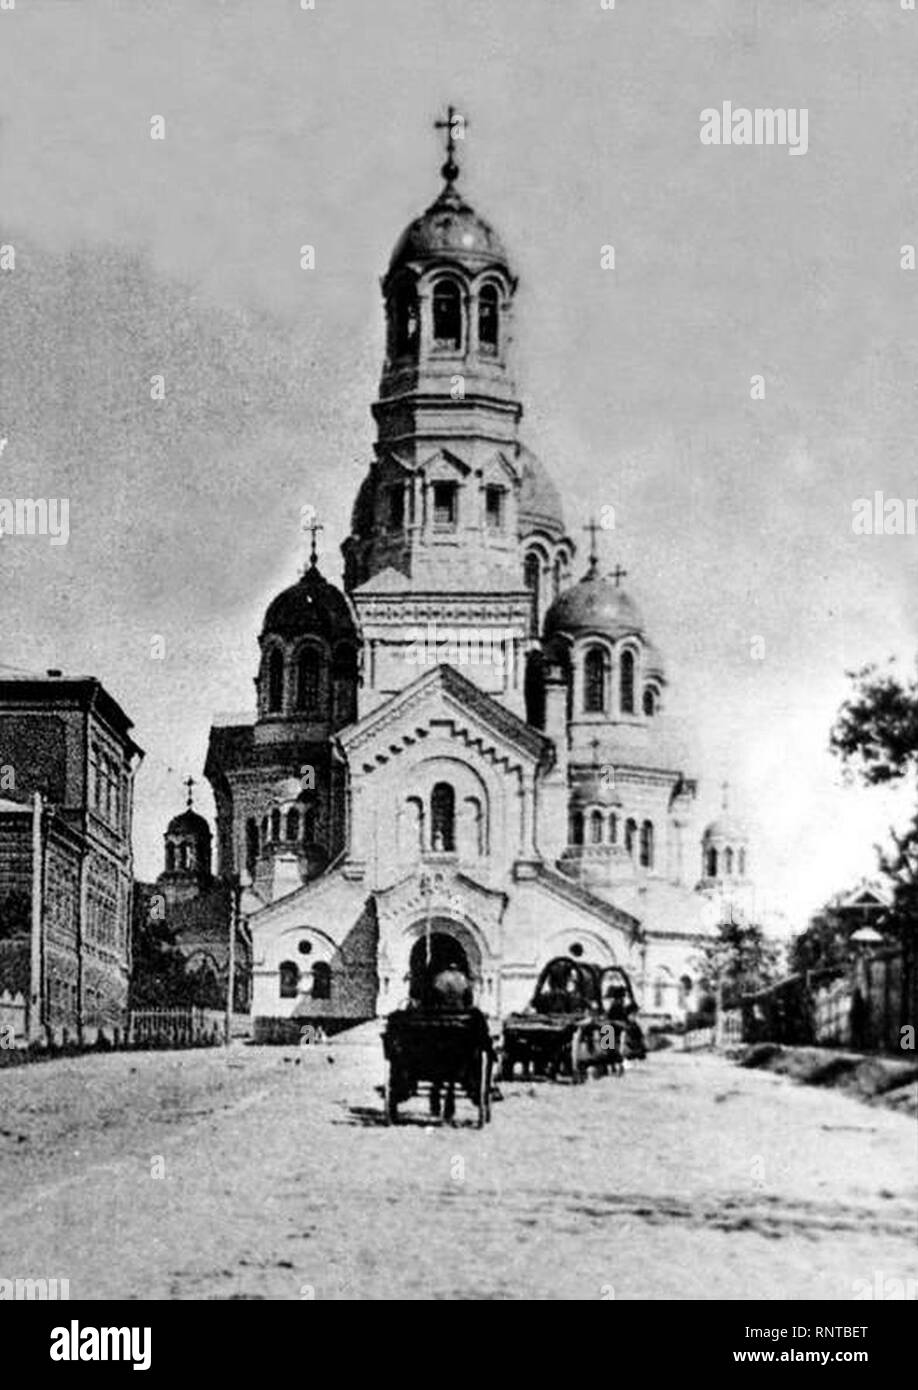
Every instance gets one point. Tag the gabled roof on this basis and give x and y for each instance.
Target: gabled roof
(504, 723)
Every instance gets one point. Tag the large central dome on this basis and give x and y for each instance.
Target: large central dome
(449, 228)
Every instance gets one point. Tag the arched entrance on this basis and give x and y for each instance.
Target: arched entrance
(450, 944)
(445, 952)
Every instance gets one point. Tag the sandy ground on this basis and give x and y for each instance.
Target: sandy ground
(686, 1178)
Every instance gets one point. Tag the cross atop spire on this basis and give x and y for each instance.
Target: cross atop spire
(189, 785)
(313, 528)
(725, 796)
(455, 126)
(592, 526)
(618, 574)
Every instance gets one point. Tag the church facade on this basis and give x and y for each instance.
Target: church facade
(464, 753)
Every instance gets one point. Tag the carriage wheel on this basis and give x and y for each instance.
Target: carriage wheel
(484, 1089)
(390, 1100)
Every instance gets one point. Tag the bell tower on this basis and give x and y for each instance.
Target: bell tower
(435, 528)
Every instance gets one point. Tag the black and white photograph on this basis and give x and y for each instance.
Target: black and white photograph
(459, 663)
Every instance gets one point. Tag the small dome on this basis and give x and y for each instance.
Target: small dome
(189, 824)
(596, 604)
(540, 506)
(313, 606)
(726, 828)
(449, 229)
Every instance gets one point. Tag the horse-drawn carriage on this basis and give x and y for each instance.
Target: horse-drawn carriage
(571, 1023)
(434, 1051)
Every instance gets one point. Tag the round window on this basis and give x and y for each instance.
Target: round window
(577, 950)
(304, 948)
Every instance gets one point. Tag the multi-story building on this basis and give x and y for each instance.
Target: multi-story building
(67, 765)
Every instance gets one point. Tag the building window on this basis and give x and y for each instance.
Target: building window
(494, 508)
(630, 833)
(293, 825)
(447, 316)
(728, 861)
(594, 681)
(170, 858)
(275, 825)
(742, 863)
(309, 825)
(405, 322)
(575, 828)
(557, 576)
(488, 318)
(396, 507)
(649, 702)
(596, 828)
(443, 819)
(532, 574)
(613, 829)
(307, 680)
(647, 845)
(627, 683)
(251, 846)
(659, 991)
(444, 505)
(711, 865)
(275, 681)
(289, 979)
(321, 980)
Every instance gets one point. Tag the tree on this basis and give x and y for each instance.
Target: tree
(740, 959)
(876, 737)
(824, 943)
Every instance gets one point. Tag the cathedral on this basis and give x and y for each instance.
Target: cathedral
(464, 752)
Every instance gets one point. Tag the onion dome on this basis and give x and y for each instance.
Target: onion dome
(595, 605)
(449, 229)
(312, 606)
(189, 825)
(540, 506)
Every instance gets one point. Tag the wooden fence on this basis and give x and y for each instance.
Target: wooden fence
(174, 1028)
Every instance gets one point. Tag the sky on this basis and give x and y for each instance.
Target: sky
(287, 126)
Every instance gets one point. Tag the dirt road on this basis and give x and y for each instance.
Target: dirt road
(267, 1173)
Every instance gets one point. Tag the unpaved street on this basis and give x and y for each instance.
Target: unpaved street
(686, 1178)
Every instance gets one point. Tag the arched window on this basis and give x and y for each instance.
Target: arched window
(307, 679)
(596, 827)
(321, 980)
(488, 301)
(309, 824)
(404, 321)
(626, 671)
(630, 833)
(594, 681)
(276, 681)
(443, 819)
(575, 828)
(184, 857)
(293, 825)
(650, 702)
(170, 857)
(742, 863)
(275, 825)
(647, 845)
(264, 830)
(613, 829)
(289, 979)
(711, 863)
(251, 846)
(728, 861)
(532, 574)
(556, 577)
(659, 991)
(447, 316)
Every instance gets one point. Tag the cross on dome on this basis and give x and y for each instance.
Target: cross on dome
(454, 121)
(189, 785)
